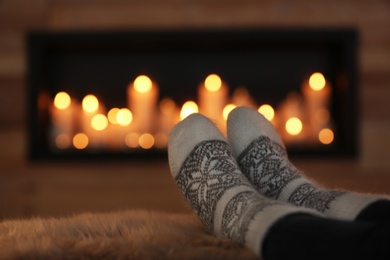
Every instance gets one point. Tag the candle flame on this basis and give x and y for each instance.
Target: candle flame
(213, 83)
(62, 100)
(227, 109)
(317, 81)
(294, 126)
(124, 117)
(80, 141)
(189, 107)
(326, 136)
(90, 104)
(146, 141)
(112, 115)
(99, 122)
(267, 111)
(142, 84)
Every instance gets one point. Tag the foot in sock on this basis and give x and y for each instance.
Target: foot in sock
(262, 158)
(204, 169)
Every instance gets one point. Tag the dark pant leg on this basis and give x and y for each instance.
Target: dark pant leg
(301, 236)
(378, 211)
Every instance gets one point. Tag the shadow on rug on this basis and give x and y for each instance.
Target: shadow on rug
(135, 234)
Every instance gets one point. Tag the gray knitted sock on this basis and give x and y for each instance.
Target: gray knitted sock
(204, 169)
(262, 158)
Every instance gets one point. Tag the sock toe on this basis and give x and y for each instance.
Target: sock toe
(245, 125)
(186, 135)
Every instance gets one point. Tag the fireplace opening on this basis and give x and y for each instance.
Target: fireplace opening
(118, 94)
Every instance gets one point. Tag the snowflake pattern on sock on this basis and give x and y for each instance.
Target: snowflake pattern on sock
(307, 195)
(206, 174)
(266, 166)
(238, 215)
(279, 149)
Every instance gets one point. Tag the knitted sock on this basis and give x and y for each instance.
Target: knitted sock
(204, 169)
(262, 158)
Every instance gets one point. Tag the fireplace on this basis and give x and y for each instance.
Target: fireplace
(117, 94)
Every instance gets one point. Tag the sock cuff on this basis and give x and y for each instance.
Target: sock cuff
(349, 205)
(245, 125)
(264, 221)
(183, 138)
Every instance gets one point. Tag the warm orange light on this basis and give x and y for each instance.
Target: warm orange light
(142, 84)
(167, 106)
(80, 141)
(213, 83)
(146, 141)
(326, 136)
(267, 111)
(131, 140)
(112, 115)
(317, 81)
(62, 141)
(160, 140)
(322, 116)
(90, 104)
(241, 92)
(62, 100)
(188, 108)
(124, 117)
(99, 122)
(227, 109)
(294, 126)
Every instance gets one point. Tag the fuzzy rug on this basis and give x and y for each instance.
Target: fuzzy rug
(137, 234)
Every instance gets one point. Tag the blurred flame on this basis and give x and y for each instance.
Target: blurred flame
(112, 115)
(317, 81)
(326, 136)
(90, 103)
(62, 100)
(131, 140)
(294, 126)
(188, 108)
(99, 122)
(146, 141)
(227, 109)
(124, 117)
(80, 141)
(213, 83)
(142, 84)
(267, 111)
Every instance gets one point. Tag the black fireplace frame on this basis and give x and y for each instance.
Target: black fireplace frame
(44, 47)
